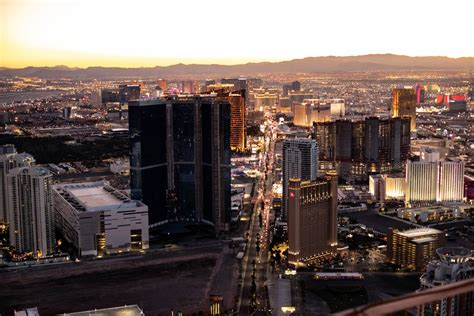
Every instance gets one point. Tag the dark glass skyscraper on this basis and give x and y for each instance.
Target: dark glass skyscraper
(296, 86)
(180, 159)
(128, 92)
(365, 146)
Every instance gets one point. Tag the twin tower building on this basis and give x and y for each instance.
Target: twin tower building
(180, 161)
(180, 150)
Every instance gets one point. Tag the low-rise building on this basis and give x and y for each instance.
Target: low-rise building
(413, 249)
(130, 310)
(429, 214)
(98, 219)
(454, 264)
(387, 187)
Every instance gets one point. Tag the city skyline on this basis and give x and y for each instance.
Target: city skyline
(236, 157)
(82, 33)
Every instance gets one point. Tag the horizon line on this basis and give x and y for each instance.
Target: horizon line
(230, 64)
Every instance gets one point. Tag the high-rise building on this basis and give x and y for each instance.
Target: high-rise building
(365, 146)
(129, 92)
(163, 84)
(427, 154)
(96, 98)
(404, 105)
(451, 181)
(420, 93)
(239, 83)
(10, 159)
(220, 88)
(30, 209)
(338, 108)
(399, 143)
(413, 249)
(285, 89)
(247, 84)
(300, 161)
(237, 121)
(209, 82)
(325, 133)
(312, 218)
(344, 139)
(377, 144)
(296, 86)
(266, 101)
(189, 86)
(422, 184)
(309, 111)
(110, 95)
(454, 264)
(432, 180)
(299, 96)
(237, 113)
(180, 159)
(97, 219)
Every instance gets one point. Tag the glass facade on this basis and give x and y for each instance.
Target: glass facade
(183, 132)
(224, 135)
(180, 159)
(185, 186)
(370, 145)
(148, 157)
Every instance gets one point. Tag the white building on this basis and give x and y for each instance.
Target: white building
(316, 110)
(428, 154)
(120, 166)
(338, 108)
(266, 100)
(434, 182)
(422, 182)
(387, 187)
(99, 219)
(10, 159)
(425, 214)
(309, 111)
(30, 210)
(394, 187)
(451, 181)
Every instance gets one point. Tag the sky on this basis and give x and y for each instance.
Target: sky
(133, 33)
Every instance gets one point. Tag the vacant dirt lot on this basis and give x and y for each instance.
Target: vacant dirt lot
(182, 280)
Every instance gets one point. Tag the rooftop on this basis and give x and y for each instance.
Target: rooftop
(419, 232)
(423, 240)
(132, 310)
(454, 254)
(93, 196)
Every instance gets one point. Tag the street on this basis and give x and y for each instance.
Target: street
(254, 293)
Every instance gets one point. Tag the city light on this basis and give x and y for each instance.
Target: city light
(236, 158)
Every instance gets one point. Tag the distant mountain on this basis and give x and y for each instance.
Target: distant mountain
(370, 63)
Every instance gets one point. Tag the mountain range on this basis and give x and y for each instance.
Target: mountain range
(327, 64)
